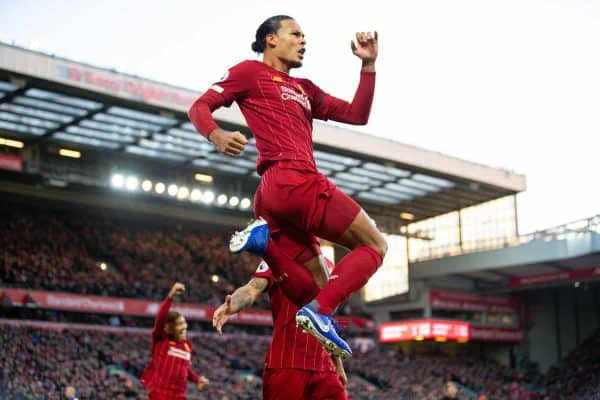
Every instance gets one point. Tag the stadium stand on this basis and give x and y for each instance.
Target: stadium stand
(58, 251)
(577, 376)
(40, 361)
(108, 238)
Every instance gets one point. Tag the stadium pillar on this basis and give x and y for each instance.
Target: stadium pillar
(516, 216)
(460, 232)
(597, 291)
(557, 324)
(575, 302)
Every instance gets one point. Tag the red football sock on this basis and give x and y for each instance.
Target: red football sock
(349, 275)
(295, 280)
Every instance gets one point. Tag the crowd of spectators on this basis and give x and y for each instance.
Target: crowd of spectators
(40, 363)
(577, 376)
(109, 256)
(422, 376)
(92, 253)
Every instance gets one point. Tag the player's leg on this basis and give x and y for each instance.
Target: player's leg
(300, 287)
(345, 223)
(293, 257)
(285, 384)
(286, 248)
(285, 201)
(297, 264)
(312, 204)
(292, 198)
(367, 244)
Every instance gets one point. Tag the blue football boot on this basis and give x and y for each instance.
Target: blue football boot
(323, 328)
(253, 238)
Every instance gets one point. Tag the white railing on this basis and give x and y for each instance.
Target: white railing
(569, 230)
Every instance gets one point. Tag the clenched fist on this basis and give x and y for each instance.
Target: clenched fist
(228, 143)
(177, 289)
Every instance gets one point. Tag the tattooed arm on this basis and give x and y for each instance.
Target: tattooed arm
(242, 298)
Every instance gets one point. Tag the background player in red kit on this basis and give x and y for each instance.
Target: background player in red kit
(293, 196)
(170, 368)
(296, 365)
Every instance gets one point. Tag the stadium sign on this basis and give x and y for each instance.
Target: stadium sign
(124, 86)
(465, 301)
(123, 306)
(494, 334)
(544, 279)
(443, 330)
(11, 162)
(42, 66)
(440, 330)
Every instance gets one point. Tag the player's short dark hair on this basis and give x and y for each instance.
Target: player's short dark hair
(170, 323)
(270, 25)
(172, 316)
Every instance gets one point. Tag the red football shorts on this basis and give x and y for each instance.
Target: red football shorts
(302, 204)
(298, 384)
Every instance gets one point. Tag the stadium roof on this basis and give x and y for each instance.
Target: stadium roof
(551, 257)
(49, 99)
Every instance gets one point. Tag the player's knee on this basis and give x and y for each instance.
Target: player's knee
(378, 243)
(377, 240)
(381, 246)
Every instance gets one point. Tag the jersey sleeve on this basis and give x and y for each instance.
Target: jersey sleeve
(317, 98)
(161, 319)
(326, 107)
(236, 83)
(191, 375)
(263, 271)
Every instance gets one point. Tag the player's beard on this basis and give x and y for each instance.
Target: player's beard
(294, 63)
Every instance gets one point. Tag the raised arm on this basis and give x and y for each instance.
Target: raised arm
(366, 48)
(357, 112)
(163, 311)
(242, 298)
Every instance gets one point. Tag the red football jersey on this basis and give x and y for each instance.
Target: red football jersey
(290, 347)
(170, 368)
(278, 108)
